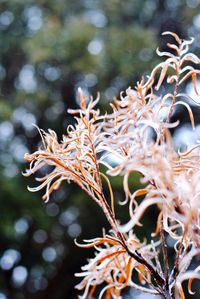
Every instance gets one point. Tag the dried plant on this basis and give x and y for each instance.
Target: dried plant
(138, 138)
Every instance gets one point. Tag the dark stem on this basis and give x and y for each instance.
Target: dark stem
(175, 270)
(174, 96)
(155, 275)
(159, 283)
(165, 255)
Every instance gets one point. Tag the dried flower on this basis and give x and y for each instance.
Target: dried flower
(136, 135)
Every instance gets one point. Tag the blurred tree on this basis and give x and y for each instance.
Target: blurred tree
(48, 49)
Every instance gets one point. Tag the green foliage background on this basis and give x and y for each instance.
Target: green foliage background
(47, 49)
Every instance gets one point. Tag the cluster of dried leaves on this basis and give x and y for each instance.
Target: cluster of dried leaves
(137, 137)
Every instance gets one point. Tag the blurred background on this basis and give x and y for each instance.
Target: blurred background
(47, 49)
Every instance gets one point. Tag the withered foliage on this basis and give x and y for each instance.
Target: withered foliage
(137, 137)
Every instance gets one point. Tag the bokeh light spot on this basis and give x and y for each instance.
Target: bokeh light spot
(19, 276)
(21, 226)
(9, 259)
(95, 46)
(74, 230)
(40, 236)
(49, 254)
